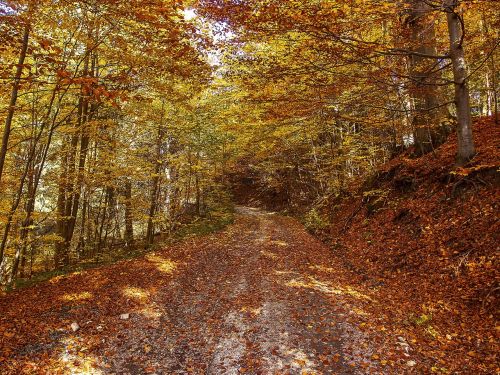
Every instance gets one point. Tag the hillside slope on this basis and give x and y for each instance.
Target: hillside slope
(423, 236)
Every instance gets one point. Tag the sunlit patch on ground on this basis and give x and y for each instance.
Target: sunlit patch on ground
(358, 311)
(151, 312)
(56, 279)
(312, 283)
(322, 269)
(284, 273)
(77, 296)
(75, 360)
(251, 310)
(262, 239)
(301, 361)
(269, 255)
(280, 243)
(164, 265)
(138, 294)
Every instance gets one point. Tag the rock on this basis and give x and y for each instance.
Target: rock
(411, 363)
(75, 327)
(125, 316)
(402, 339)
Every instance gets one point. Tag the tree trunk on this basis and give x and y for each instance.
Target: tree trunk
(13, 99)
(153, 205)
(494, 89)
(462, 99)
(129, 224)
(423, 72)
(71, 181)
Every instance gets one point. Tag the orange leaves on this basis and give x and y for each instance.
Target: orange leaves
(429, 258)
(63, 74)
(45, 43)
(8, 334)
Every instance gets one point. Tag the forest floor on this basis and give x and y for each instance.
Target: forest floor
(261, 297)
(404, 282)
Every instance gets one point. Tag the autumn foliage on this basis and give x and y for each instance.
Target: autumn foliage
(129, 125)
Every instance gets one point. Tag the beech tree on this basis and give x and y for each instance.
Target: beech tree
(456, 29)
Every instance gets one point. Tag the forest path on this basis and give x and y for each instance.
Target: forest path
(258, 298)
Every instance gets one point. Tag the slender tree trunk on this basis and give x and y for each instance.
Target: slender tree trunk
(13, 99)
(156, 181)
(153, 205)
(494, 89)
(10, 219)
(27, 223)
(81, 239)
(456, 31)
(61, 211)
(129, 224)
(35, 177)
(71, 179)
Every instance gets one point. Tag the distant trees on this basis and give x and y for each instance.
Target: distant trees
(338, 86)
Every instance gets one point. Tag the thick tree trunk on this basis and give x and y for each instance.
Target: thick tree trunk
(423, 72)
(13, 99)
(65, 178)
(466, 148)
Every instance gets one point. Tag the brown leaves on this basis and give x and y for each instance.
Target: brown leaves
(424, 259)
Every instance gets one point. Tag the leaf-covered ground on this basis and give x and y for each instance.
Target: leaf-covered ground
(425, 236)
(262, 297)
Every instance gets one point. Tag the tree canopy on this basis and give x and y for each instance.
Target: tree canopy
(124, 120)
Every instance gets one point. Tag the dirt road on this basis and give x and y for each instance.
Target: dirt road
(258, 298)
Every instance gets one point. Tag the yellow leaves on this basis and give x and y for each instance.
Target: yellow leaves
(464, 172)
(252, 310)
(324, 287)
(138, 294)
(162, 264)
(77, 296)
